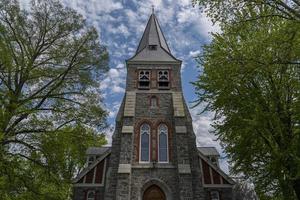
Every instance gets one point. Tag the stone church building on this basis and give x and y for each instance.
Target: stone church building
(153, 154)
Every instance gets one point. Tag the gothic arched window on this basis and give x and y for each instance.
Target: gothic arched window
(145, 143)
(91, 195)
(163, 148)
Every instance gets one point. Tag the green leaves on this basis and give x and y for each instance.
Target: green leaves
(51, 63)
(251, 81)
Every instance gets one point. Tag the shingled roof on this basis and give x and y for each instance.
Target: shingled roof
(97, 150)
(209, 151)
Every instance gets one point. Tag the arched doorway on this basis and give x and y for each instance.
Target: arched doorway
(154, 193)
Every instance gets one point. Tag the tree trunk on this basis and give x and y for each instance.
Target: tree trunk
(296, 186)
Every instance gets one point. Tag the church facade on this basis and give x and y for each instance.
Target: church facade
(153, 154)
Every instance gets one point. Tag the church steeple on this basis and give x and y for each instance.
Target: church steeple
(153, 153)
(153, 45)
(153, 35)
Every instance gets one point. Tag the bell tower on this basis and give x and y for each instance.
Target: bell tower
(153, 153)
(154, 139)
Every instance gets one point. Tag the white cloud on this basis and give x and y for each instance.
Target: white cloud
(114, 82)
(120, 66)
(118, 89)
(120, 30)
(202, 24)
(202, 128)
(108, 134)
(94, 6)
(194, 54)
(113, 109)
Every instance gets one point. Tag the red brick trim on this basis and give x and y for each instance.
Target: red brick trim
(154, 124)
(137, 138)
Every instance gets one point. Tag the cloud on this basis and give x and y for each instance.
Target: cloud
(113, 109)
(94, 6)
(194, 54)
(119, 29)
(202, 128)
(114, 82)
(108, 134)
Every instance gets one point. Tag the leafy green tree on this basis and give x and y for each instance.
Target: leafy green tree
(51, 63)
(251, 81)
(224, 11)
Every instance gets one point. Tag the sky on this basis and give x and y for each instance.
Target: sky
(120, 25)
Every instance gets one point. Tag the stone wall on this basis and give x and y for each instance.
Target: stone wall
(180, 179)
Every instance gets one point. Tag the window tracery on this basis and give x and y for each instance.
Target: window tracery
(163, 79)
(144, 79)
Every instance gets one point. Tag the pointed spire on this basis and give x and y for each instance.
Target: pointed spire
(153, 45)
(153, 35)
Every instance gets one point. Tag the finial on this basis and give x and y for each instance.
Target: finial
(152, 9)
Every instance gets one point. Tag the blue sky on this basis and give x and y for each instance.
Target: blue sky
(121, 24)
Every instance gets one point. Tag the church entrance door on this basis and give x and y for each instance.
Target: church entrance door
(154, 193)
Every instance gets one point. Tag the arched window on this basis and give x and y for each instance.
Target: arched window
(145, 143)
(163, 143)
(153, 102)
(91, 195)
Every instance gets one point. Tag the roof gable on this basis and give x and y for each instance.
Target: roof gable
(211, 172)
(91, 167)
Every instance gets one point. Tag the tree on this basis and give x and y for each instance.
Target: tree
(51, 63)
(251, 81)
(224, 11)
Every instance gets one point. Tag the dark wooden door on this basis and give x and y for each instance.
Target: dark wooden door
(154, 193)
